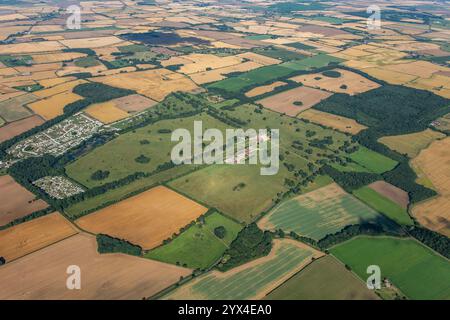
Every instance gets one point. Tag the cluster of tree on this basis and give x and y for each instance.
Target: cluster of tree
(225, 118)
(379, 109)
(100, 175)
(366, 228)
(251, 243)
(331, 73)
(220, 232)
(405, 178)
(434, 240)
(99, 92)
(107, 244)
(142, 159)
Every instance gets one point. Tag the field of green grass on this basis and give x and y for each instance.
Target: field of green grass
(119, 155)
(239, 191)
(247, 282)
(372, 160)
(252, 78)
(86, 62)
(384, 205)
(415, 269)
(198, 247)
(324, 279)
(258, 37)
(282, 54)
(317, 61)
(321, 212)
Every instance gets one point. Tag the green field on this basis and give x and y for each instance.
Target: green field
(415, 269)
(198, 247)
(324, 279)
(251, 78)
(2, 122)
(113, 195)
(318, 61)
(282, 54)
(148, 141)
(217, 185)
(384, 205)
(372, 160)
(319, 213)
(247, 282)
(259, 37)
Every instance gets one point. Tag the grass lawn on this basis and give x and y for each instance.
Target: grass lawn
(198, 246)
(383, 205)
(415, 269)
(251, 78)
(324, 279)
(372, 160)
(239, 191)
(148, 141)
(411, 144)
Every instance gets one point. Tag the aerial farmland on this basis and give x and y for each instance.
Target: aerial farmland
(224, 150)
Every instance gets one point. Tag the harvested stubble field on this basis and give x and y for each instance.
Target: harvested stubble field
(411, 144)
(252, 280)
(198, 247)
(340, 123)
(145, 219)
(113, 195)
(33, 235)
(155, 84)
(53, 106)
(324, 279)
(294, 101)
(106, 112)
(413, 268)
(42, 274)
(264, 89)
(319, 213)
(16, 201)
(348, 82)
(17, 127)
(434, 163)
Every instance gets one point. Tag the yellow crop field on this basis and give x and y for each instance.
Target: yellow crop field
(155, 83)
(106, 112)
(57, 89)
(91, 42)
(411, 144)
(330, 120)
(57, 57)
(145, 219)
(348, 82)
(28, 47)
(264, 89)
(53, 106)
(434, 163)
